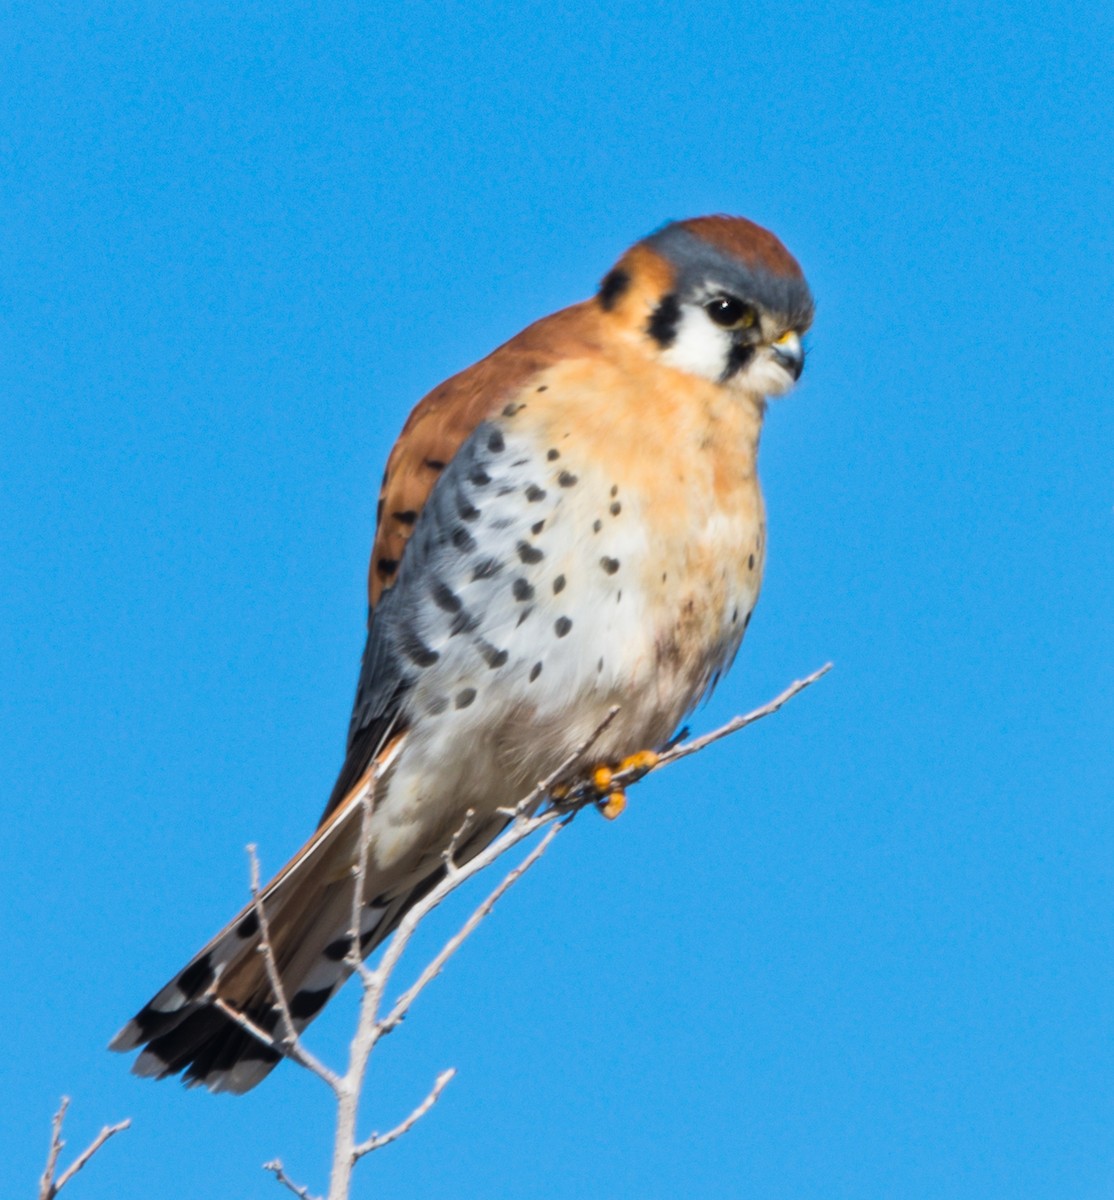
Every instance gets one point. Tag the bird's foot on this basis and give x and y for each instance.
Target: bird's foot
(610, 782)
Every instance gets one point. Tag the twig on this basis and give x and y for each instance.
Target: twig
(434, 967)
(354, 958)
(524, 819)
(276, 1168)
(49, 1187)
(449, 855)
(289, 1033)
(737, 723)
(295, 1051)
(378, 1140)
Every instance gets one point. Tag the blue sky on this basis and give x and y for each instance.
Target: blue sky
(862, 951)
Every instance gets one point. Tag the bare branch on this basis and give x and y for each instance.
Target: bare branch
(737, 723)
(449, 856)
(434, 967)
(49, 1187)
(379, 1140)
(289, 1033)
(524, 819)
(46, 1184)
(295, 1051)
(354, 958)
(276, 1168)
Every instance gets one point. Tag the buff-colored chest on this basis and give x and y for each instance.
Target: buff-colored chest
(668, 464)
(608, 553)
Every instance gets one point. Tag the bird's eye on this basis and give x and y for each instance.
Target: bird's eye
(731, 313)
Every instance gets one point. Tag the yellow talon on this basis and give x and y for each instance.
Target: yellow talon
(601, 780)
(614, 805)
(643, 761)
(559, 792)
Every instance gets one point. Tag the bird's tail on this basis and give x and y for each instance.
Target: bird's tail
(308, 906)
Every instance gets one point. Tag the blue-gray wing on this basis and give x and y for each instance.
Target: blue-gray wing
(448, 598)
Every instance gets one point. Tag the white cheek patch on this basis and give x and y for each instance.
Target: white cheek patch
(699, 347)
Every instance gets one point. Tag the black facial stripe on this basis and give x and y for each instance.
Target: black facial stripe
(663, 324)
(611, 290)
(737, 358)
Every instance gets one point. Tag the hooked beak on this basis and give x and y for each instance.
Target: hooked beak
(789, 353)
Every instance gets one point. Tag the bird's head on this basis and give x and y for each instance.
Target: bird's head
(718, 297)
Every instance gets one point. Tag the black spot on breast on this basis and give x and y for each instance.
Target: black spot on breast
(249, 926)
(530, 554)
(537, 527)
(610, 565)
(496, 443)
(566, 479)
(734, 616)
(463, 540)
(434, 464)
(513, 408)
(597, 526)
(544, 387)
(614, 489)
(406, 518)
(308, 1004)
(465, 697)
(561, 626)
(746, 620)
(386, 567)
(445, 598)
(479, 477)
(468, 511)
(486, 569)
(750, 562)
(416, 650)
(379, 511)
(522, 590)
(535, 671)
(615, 283)
(553, 455)
(523, 615)
(663, 323)
(196, 977)
(616, 508)
(535, 493)
(559, 585)
(494, 657)
(599, 666)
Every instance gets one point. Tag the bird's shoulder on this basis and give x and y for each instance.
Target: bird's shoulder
(447, 416)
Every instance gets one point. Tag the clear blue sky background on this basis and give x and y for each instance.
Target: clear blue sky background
(865, 950)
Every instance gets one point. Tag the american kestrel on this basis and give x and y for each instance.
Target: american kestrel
(573, 523)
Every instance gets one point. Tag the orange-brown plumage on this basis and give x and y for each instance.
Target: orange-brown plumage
(443, 420)
(573, 522)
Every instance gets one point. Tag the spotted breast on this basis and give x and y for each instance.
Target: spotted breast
(572, 524)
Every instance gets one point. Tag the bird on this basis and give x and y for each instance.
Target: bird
(573, 523)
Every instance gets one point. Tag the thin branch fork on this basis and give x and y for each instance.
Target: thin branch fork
(49, 1186)
(526, 818)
